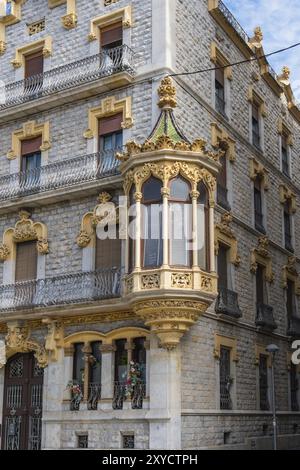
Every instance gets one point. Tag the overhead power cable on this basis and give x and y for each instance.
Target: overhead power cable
(234, 64)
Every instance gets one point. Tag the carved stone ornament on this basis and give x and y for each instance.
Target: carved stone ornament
(150, 281)
(42, 246)
(169, 319)
(69, 21)
(261, 255)
(257, 39)
(83, 239)
(181, 280)
(18, 340)
(167, 93)
(3, 47)
(55, 337)
(225, 234)
(4, 252)
(24, 228)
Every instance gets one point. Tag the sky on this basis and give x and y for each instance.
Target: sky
(280, 23)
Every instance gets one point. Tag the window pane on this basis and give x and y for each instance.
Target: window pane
(222, 267)
(95, 369)
(152, 235)
(139, 355)
(180, 190)
(152, 190)
(180, 224)
(78, 363)
(121, 361)
(26, 261)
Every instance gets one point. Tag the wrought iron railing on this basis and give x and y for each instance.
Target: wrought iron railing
(59, 290)
(121, 394)
(265, 317)
(294, 326)
(227, 303)
(94, 395)
(107, 62)
(60, 174)
(233, 21)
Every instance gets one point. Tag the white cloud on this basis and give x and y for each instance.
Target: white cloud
(280, 24)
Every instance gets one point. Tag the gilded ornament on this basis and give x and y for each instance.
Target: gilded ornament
(150, 281)
(181, 280)
(42, 246)
(4, 252)
(167, 93)
(83, 239)
(3, 46)
(69, 21)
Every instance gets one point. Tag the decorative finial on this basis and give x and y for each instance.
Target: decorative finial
(24, 214)
(167, 94)
(284, 78)
(104, 198)
(258, 34)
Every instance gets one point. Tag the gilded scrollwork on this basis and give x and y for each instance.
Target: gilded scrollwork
(24, 230)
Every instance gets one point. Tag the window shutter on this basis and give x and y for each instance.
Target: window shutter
(110, 124)
(108, 253)
(26, 261)
(111, 34)
(220, 76)
(31, 145)
(34, 64)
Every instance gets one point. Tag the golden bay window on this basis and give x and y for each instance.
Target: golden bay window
(152, 243)
(180, 223)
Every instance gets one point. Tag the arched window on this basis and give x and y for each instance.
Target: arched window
(203, 227)
(180, 223)
(151, 217)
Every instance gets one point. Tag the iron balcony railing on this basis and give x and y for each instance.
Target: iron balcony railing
(232, 21)
(59, 174)
(227, 303)
(121, 394)
(265, 317)
(294, 326)
(107, 62)
(60, 290)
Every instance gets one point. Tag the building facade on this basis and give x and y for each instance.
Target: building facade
(133, 341)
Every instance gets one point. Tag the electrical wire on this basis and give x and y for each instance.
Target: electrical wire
(241, 62)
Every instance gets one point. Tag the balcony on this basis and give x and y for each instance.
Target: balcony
(230, 25)
(60, 174)
(61, 290)
(265, 317)
(118, 62)
(227, 303)
(294, 326)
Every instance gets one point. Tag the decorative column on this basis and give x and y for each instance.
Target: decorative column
(165, 226)
(107, 372)
(138, 197)
(195, 195)
(53, 393)
(87, 350)
(68, 371)
(165, 397)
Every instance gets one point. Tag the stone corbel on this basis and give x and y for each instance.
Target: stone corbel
(18, 340)
(170, 319)
(260, 255)
(54, 339)
(221, 139)
(258, 170)
(286, 195)
(225, 235)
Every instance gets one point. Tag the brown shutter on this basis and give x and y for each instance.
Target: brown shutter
(108, 253)
(111, 34)
(31, 146)
(34, 64)
(110, 124)
(26, 262)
